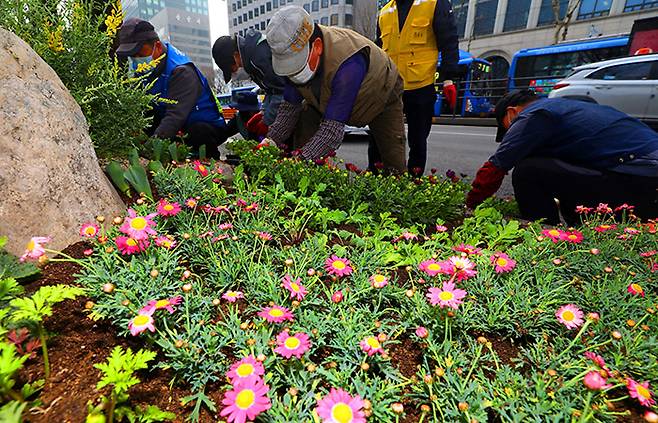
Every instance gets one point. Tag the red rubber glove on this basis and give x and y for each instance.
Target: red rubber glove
(256, 126)
(450, 94)
(486, 183)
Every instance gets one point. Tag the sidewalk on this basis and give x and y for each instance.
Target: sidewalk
(464, 121)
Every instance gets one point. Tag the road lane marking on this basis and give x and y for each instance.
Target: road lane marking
(464, 133)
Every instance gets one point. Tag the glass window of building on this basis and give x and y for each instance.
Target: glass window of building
(269, 6)
(334, 1)
(460, 11)
(233, 7)
(325, 4)
(594, 8)
(239, 5)
(349, 1)
(239, 19)
(262, 9)
(547, 14)
(516, 16)
(307, 7)
(275, 3)
(349, 19)
(633, 5)
(251, 15)
(244, 2)
(283, 2)
(315, 5)
(256, 13)
(235, 22)
(485, 17)
(324, 20)
(334, 19)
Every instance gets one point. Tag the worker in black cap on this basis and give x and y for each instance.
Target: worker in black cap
(185, 102)
(578, 152)
(247, 57)
(247, 105)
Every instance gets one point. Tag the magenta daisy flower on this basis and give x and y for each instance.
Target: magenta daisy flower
(142, 322)
(89, 230)
(265, 236)
(467, 249)
(338, 266)
(441, 228)
(649, 253)
(378, 281)
(570, 316)
(583, 210)
(246, 368)
(502, 262)
(605, 228)
(276, 314)
(635, 289)
(289, 345)
(246, 401)
(459, 267)
(431, 267)
(447, 296)
(296, 289)
(251, 208)
(167, 209)
(226, 226)
(165, 242)
(603, 208)
(203, 170)
(138, 227)
(167, 304)
(407, 236)
(232, 296)
(554, 234)
(595, 382)
(340, 407)
(191, 203)
(641, 392)
(574, 237)
(371, 345)
(35, 248)
(127, 245)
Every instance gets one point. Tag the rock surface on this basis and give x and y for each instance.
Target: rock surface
(50, 180)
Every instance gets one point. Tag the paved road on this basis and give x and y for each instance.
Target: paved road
(460, 148)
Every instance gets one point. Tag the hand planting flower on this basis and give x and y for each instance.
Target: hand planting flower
(127, 245)
(640, 391)
(167, 209)
(35, 248)
(167, 304)
(378, 281)
(289, 345)
(276, 314)
(371, 345)
(296, 289)
(502, 263)
(89, 230)
(244, 369)
(138, 227)
(246, 400)
(142, 322)
(338, 266)
(595, 382)
(447, 296)
(232, 296)
(570, 316)
(340, 407)
(635, 289)
(165, 242)
(431, 267)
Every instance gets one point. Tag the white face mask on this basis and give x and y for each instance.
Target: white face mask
(240, 75)
(302, 77)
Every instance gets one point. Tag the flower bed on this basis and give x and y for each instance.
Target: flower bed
(264, 300)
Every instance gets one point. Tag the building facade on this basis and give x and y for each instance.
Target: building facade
(183, 23)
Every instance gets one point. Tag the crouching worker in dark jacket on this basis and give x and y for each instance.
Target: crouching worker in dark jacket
(188, 104)
(577, 152)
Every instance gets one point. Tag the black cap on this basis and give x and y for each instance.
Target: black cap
(222, 53)
(245, 101)
(514, 98)
(133, 34)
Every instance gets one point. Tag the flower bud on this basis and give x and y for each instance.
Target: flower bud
(260, 357)
(216, 302)
(125, 303)
(310, 272)
(365, 366)
(428, 379)
(439, 371)
(482, 340)
(100, 219)
(187, 287)
(89, 305)
(288, 262)
(311, 368)
(179, 343)
(186, 275)
(397, 408)
(293, 391)
(337, 297)
(117, 220)
(616, 334)
(422, 332)
(463, 406)
(425, 408)
(154, 273)
(108, 288)
(593, 316)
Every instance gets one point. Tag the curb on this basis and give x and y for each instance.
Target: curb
(464, 121)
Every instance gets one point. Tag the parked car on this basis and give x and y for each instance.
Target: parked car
(629, 84)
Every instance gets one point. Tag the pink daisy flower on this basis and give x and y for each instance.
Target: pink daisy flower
(371, 345)
(441, 228)
(165, 242)
(422, 332)
(340, 407)
(459, 267)
(246, 368)
(138, 227)
(142, 322)
(574, 237)
(447, 296)
(167, 209)
(624, 207)
(407, 236)
(167, 304)
(265, 236)
(649, 253)
(596, 359)
(570, 316)
(191, 203)
(595, 382)
(635, 289)
(338, 266)
(467, 249)
(89, 230)
(232, 296)
(297, 290)
(276, 314)
(502, 263)
(603, 208)
(583, 210)
(226, 226)
(246, 401)
(378, 281)
(203, 171)
(554, 234)
(288, 345)
(605, 228)
(631, 231)
(128, 246)
(431, 267)
(251, 208)
(640, 391)
(35, 248)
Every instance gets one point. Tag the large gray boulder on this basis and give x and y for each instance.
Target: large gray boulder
(50, 180)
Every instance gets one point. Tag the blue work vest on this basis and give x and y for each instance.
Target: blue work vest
(206, 109)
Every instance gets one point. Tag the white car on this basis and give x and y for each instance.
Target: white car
(629, 84)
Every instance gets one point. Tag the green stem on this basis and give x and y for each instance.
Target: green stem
(15, 395)
(574, 340)
(583, 417)
(110, 411)
(44, 350)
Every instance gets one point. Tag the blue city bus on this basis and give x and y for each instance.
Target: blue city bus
(541, 68)
(474, 90)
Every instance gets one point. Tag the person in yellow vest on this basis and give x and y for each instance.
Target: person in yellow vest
(333, 77)
(413, 32)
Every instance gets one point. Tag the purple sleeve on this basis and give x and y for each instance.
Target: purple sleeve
(291, 95)
(345, 88)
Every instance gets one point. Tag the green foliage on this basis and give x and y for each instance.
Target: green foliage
(10, 363)
(75, 39)
(35, 308)
(10, 267)
(136, 175)
(12, 412)
(117, 175)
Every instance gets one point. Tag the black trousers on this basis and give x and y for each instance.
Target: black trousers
(538, 181)
(202, 133)
(419, 110)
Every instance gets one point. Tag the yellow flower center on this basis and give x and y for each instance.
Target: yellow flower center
(31, 245)
(138, 223)
(605, 226)
(568, 315)
(554, 232)
(141, 320)
(131, 242)
(294, 286)
(202, 168)
(342, 413)
(637, 288)
(446, 296)
(379, 278)
(373, 342)
(572, 237)
(90, 230)
(434, 267)
(292, 343)
(162, 303)
(233, 295)
(338, 264)
(501, 262)
(168, 207)
(275, 312)
(245, 399)
(244, 369)
(643, 392)
(166, 244)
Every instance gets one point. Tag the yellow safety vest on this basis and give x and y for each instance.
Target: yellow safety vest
(414, 51)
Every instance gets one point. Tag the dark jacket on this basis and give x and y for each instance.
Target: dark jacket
(257, 61)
